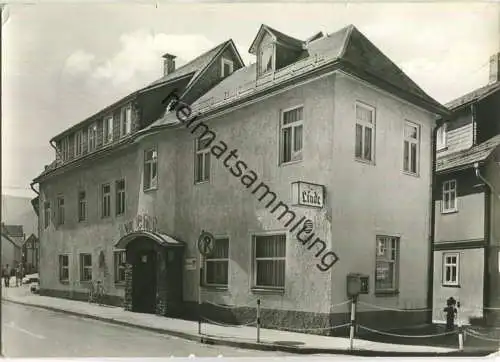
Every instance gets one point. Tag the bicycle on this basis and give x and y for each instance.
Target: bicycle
(96, 292)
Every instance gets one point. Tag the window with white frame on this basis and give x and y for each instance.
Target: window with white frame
(85, 267)
(266, 59)
(92, 137)
(60, 210)
(441, 137)
(217, 264)
(202, 160)
(387, 264)
(106, 200)
(120, 197)
(82, 205)
(269, 261)
(79, 142)
(63, 268)
(119, 263)
(291, 134)
(365, 132)
(65, 149)
(107, 131)
(449, 201)
(226, 67)
(411, 145)
(150, 169)
(46, 214)
(451, 269)
(126, 121)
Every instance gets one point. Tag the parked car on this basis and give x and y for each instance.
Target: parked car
(31, 278)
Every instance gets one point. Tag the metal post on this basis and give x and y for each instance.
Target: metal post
(353, 323)
(258, 320)
(199, 293)
(460, 332)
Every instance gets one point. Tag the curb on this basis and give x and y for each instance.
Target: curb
(262, 346)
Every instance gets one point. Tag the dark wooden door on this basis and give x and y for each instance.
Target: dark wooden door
(144, 282)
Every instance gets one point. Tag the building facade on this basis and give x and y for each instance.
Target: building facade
(301, 165)
(467, 205)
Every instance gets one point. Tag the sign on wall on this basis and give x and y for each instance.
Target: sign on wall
(142, 222)
(190, 263)
(308, 194)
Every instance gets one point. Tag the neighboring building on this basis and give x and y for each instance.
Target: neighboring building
(330, 117)
(467, 204)
(12, 241)
(30, 254)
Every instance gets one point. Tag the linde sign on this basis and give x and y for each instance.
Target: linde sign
(308, 194)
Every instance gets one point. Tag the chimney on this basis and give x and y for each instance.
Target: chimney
(495, 68)
(168, 64)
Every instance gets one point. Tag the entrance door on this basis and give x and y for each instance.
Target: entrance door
(144, 282)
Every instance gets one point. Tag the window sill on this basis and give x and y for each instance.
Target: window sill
(120, 284)
(150, 189)
(450, 285)
(202, 182)
(290, 162)
(442, 149)
(409, 173)
(261, 290)
(366, 162)
(65, 282)
(215, 288)
(386, 293)
(449, 211)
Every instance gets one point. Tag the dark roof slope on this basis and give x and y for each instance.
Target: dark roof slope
(468, 157)
(12, 240)
(346, 46)
(193, 68)
(473, 96)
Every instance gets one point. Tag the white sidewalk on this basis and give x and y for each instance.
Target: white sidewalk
(243, 336)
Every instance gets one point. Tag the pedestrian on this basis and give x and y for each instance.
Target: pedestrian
(19, 275)
(5, 275)
(12, 273)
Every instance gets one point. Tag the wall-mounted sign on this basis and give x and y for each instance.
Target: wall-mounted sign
(308, 194)
(190, 263)
(142, 222)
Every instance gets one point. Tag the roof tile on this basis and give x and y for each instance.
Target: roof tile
(474, 154)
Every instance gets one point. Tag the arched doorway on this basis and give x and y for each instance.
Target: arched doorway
(155, 262)
(142, 255)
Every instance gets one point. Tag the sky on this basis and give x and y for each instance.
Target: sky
(64, 62)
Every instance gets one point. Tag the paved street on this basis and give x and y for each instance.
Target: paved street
(32, 332)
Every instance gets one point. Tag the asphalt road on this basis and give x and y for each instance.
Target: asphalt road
(34, 332)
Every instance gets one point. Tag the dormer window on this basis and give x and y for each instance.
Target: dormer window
(266, 59)
(226, 67)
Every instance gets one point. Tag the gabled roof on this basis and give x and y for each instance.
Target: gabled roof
(193, 68)
(465, 158)
(278, 36)
(473, 96)
(347, 49)
(12, 230)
